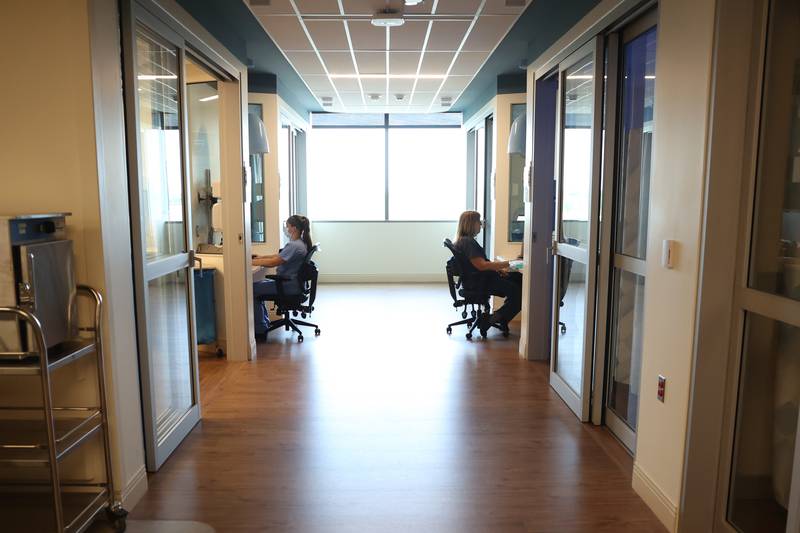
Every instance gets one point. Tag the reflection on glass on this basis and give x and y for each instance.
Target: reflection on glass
(636, 143)
(578, 98)
(257, 213)
(170, 353)
(430, 160)
(203, 122)
(284, 160)
(160, 147)
(626, 345)
(775, 261)
(516, 175)
(346, 174)
(766, 426)
(571, 322)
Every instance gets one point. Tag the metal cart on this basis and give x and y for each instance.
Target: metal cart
(46, 435)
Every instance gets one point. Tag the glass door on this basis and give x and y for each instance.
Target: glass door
(161, 224)
(576, 228)
(633, 150)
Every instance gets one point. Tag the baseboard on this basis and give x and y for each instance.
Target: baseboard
(438, 277)
(134, 490)
(654, 497)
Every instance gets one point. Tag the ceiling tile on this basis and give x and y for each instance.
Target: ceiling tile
(347, 85)
(447, 35)
(487, 32)
(436, 62)
(318, 84)
(468, 63)
(457, 7)
(498, 7)
(306, 63)
(371, 62)
(338, 62)
(365, 36)
(428, 85)
(362, 7)
(275, 7)
(409, 36)
(313, 7)
(328, 34)
(351, 98)
(374, 85)
(286, 32)
(423, 8)
(422, 99)
(400, 86)
(456, 83)
(403, 62)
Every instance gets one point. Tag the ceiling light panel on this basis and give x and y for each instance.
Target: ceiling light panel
(447, 35)
(436, 62)
(318, 7)
(365, 36)
(328, 34)
(403, 63)
(409, 36)
(306, 63)
(286, 32)
(457, 7)
(371, 62)
(275, 7)
(488, 31)
(338, 63)
(468, 63)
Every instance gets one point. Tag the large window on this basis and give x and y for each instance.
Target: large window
(386, 167)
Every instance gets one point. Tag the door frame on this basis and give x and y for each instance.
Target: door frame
(723, 295)
(165, 19)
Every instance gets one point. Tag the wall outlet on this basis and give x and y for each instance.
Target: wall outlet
(662, 387)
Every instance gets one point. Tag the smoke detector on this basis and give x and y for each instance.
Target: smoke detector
(388, 18)
(399, 97)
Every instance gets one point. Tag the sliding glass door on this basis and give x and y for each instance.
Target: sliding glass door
(576, 228)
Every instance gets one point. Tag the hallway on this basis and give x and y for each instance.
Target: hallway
(386, 424)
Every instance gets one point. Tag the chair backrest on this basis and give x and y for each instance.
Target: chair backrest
(467, 277)
(308, 275)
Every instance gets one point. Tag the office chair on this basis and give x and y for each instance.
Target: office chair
(467, 290)
(290, 305)
(563, 282)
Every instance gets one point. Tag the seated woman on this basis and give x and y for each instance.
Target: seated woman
(499, 280)
(288, 260)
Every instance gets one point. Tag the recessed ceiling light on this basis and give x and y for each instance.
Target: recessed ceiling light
(414, 2)
(374, 96)
(209, 98)
(388, 19)
(399, 97)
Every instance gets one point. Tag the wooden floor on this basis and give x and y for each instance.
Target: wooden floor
(386, 424)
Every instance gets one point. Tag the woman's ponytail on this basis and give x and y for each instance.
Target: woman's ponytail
(304, 225)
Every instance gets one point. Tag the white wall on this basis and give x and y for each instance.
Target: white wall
(382, 251)
(682, 100)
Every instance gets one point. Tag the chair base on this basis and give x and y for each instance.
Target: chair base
(291, 324)
(473, 322)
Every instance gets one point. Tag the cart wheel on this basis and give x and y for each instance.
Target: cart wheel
(449, 330)
(300, 338)
(317, 332)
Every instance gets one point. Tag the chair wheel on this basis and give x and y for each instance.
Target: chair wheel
(483, 333)
(300, 338)
(303, 315)
(449, 330)
(317, 332)
(469, 336)
(463, 314)
(563, 329)
(505, 334)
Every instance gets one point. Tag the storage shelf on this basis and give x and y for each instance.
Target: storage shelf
(27, 363)
(29, 511)
(24, 441)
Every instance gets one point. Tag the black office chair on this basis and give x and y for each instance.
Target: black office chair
(290, 305)
(468, 290)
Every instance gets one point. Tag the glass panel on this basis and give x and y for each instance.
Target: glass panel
(203, 120)
(775, 260)
(576, 152)
(284, 154)
(429, 160)
(346, 174)
(516, 171)
(257, 213)
(425, 119)
(170, 351)
(160, 147)
(571, 322)
(626, 345)
(636, 143)
(766, 427)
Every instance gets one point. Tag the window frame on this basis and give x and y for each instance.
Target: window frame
(386, 127)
